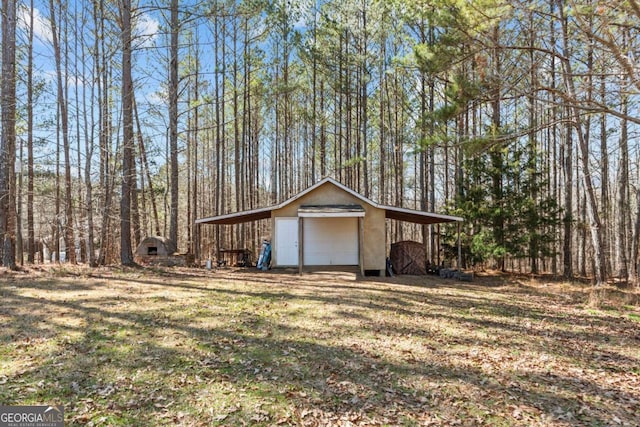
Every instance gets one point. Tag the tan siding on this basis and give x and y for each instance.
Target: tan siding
(374, 220)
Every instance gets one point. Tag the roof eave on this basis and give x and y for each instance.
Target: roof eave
(238, 217)
(419, 217)
(391, 212)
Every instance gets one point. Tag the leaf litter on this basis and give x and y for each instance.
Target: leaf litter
(236, 347)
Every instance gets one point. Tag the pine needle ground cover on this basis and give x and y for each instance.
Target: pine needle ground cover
(198, 348)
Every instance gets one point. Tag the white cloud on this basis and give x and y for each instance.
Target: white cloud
(41, 25)
(145, 30)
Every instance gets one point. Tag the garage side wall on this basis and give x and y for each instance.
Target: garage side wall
(374, 255)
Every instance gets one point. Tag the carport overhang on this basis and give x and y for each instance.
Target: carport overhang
(400, 214)
(391, 212)
(416, 216)
(238, 217)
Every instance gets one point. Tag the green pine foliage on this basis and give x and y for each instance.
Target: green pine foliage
(504, 216)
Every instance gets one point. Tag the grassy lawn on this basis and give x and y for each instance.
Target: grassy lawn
(199, 348)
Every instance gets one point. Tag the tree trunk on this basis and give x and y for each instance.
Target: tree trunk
(496, 153)
(195, 231)
(106, 176)
(314, 97)
(237, 148)
(126, 253)
(79, 29)
(533, 151)
(635, 243)
(591, 202)
(623, 199)
(31, 235)
(135, 207)
(89, 134)
(8, 137)
(64, 121)
(144, 165)
(364, 96)
(384, 90)
(173, 122)
(19, 240)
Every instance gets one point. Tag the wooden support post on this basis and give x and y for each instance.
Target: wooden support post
(459, 251)
(361, 244)
(300, 244)
(438, 246)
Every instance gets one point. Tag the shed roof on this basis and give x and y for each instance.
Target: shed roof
(391, 212)
(158, 241)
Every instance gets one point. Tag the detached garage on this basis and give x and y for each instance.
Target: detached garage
(329, 235)
(329, 224)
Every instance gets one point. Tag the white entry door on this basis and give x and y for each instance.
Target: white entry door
(330, 241)
(286, 242)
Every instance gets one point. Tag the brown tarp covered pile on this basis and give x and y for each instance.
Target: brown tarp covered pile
(408, 257)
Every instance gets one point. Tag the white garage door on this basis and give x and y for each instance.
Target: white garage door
(330, 241)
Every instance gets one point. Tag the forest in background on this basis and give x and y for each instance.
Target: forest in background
(122, 119)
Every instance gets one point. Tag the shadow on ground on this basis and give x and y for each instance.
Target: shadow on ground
(191, 347)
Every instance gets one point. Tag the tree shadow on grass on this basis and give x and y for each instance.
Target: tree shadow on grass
(396, 299)
(164, 365)
(534, 325)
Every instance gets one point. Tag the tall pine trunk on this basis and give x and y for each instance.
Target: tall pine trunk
(64, 122)
(126, 253)
(8, 137)
(595, 225)
(89, 126)
(31, 235)
(173, 121)
(623, 198)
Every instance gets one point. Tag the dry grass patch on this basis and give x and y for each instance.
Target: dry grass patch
(234, 347)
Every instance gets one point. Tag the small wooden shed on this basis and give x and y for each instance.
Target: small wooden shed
(329, 224)
(155, 246)
(408, 257)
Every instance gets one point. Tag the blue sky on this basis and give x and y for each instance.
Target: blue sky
(147, 33)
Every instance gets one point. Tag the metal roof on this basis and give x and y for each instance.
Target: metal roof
(391, 212)
(420, 217)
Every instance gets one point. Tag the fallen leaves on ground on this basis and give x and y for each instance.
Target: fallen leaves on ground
(242, 347)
